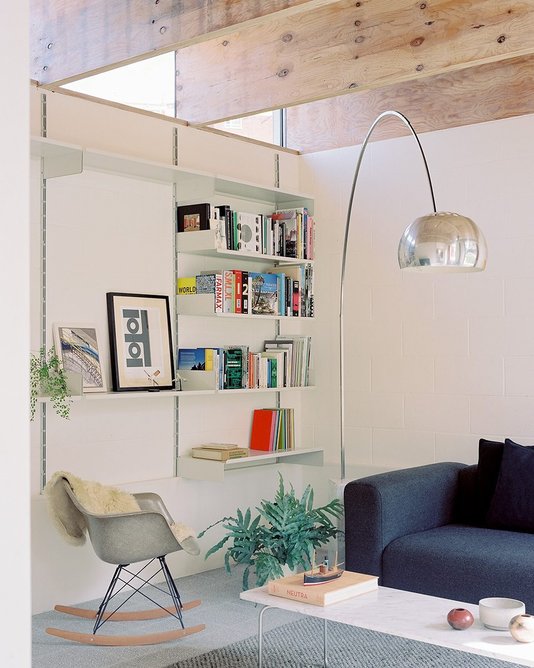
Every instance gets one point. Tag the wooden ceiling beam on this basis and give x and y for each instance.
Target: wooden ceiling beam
(344, 47)
(476, 95)
(72, 39)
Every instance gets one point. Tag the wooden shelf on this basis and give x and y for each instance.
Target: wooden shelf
(206, 469)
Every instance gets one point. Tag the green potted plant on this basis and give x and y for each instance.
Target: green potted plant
(285, 532)
(48, 378)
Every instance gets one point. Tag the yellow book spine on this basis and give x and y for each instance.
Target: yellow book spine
(187, 285)
(208, 359)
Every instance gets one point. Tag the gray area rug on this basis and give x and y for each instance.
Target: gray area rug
(300, 645)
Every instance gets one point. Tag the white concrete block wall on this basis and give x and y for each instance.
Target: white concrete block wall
(433, 363)
(107, 232)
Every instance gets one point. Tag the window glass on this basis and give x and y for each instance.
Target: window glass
(263, 127)
(148, 84)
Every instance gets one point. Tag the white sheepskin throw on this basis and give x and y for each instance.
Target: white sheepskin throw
(93, 496)
(186, 538)
(100, 500)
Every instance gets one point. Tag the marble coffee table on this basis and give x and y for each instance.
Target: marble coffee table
(401, 613)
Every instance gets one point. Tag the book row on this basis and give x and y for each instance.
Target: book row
(273, 429)
(285, 233)
(287, 292)
(284, 362)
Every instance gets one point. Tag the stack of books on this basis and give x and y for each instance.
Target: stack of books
(221, 452)
(348, 585)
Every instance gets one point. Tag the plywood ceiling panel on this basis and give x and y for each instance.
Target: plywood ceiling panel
(476, 95)
(71, 39)
(346, 46)
(336, 62)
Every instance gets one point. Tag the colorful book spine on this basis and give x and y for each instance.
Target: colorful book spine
(244, 292)
(228, 291)
(238, 291)
(186, 285)
(273, 429)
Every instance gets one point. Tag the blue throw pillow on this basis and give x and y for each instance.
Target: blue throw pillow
(489, 465)
(512, 505)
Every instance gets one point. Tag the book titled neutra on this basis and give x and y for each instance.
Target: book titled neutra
(348, 585)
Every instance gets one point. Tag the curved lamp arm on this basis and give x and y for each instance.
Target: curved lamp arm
(378, 119)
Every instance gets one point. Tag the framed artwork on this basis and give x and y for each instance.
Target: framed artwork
(77, 348)
(193, 217)
(140, 342)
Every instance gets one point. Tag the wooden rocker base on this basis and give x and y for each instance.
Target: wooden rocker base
(125, 641)
(139, 615)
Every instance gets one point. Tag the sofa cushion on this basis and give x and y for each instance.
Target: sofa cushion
(462, 563)
(512, 505)
(489, 464)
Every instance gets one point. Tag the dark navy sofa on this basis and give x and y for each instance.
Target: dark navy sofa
(423, 530)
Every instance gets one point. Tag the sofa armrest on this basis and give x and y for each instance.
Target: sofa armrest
(383, 507)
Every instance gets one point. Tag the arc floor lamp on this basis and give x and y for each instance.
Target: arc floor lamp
(436, 242)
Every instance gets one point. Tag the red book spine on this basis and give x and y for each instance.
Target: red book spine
(263, 425)
(296, 298)
(238, 278)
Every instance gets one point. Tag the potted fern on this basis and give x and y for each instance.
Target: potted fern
(285, 532)
(48, 378)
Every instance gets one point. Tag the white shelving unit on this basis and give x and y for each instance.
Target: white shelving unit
(207, 469)
(63, 159)
(206, 244)
(60, 157)
(202, 305)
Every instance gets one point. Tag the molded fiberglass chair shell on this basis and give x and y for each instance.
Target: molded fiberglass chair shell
(123, 539)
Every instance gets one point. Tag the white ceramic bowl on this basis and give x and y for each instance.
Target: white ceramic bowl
(496, 613)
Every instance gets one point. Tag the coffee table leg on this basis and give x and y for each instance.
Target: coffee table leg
(260, 638)
(260, 635)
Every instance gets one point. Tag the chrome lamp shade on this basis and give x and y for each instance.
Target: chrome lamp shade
(442, 242)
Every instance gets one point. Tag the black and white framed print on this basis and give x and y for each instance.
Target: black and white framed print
(140, 342)
(77, 348)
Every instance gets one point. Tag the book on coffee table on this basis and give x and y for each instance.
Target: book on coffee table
(348, 585)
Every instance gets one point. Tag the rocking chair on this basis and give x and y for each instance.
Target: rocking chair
(123, 539)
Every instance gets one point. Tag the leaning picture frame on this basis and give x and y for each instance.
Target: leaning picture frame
(140, 342)
(77, 347)
(193, 217)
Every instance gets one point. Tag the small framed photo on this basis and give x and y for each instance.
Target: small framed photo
(77, 348)
(140, 342)
(193, 217)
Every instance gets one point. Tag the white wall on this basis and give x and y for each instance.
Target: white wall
(14, 337)
(107, 232)
(433, 363)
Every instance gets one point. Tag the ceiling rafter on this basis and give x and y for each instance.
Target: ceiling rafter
(345, 47)
(475, 95)
(333, 63)
(72, 39)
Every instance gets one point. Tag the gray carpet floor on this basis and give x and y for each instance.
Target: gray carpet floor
(227, 619)
(229, 639)
(299, 645)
